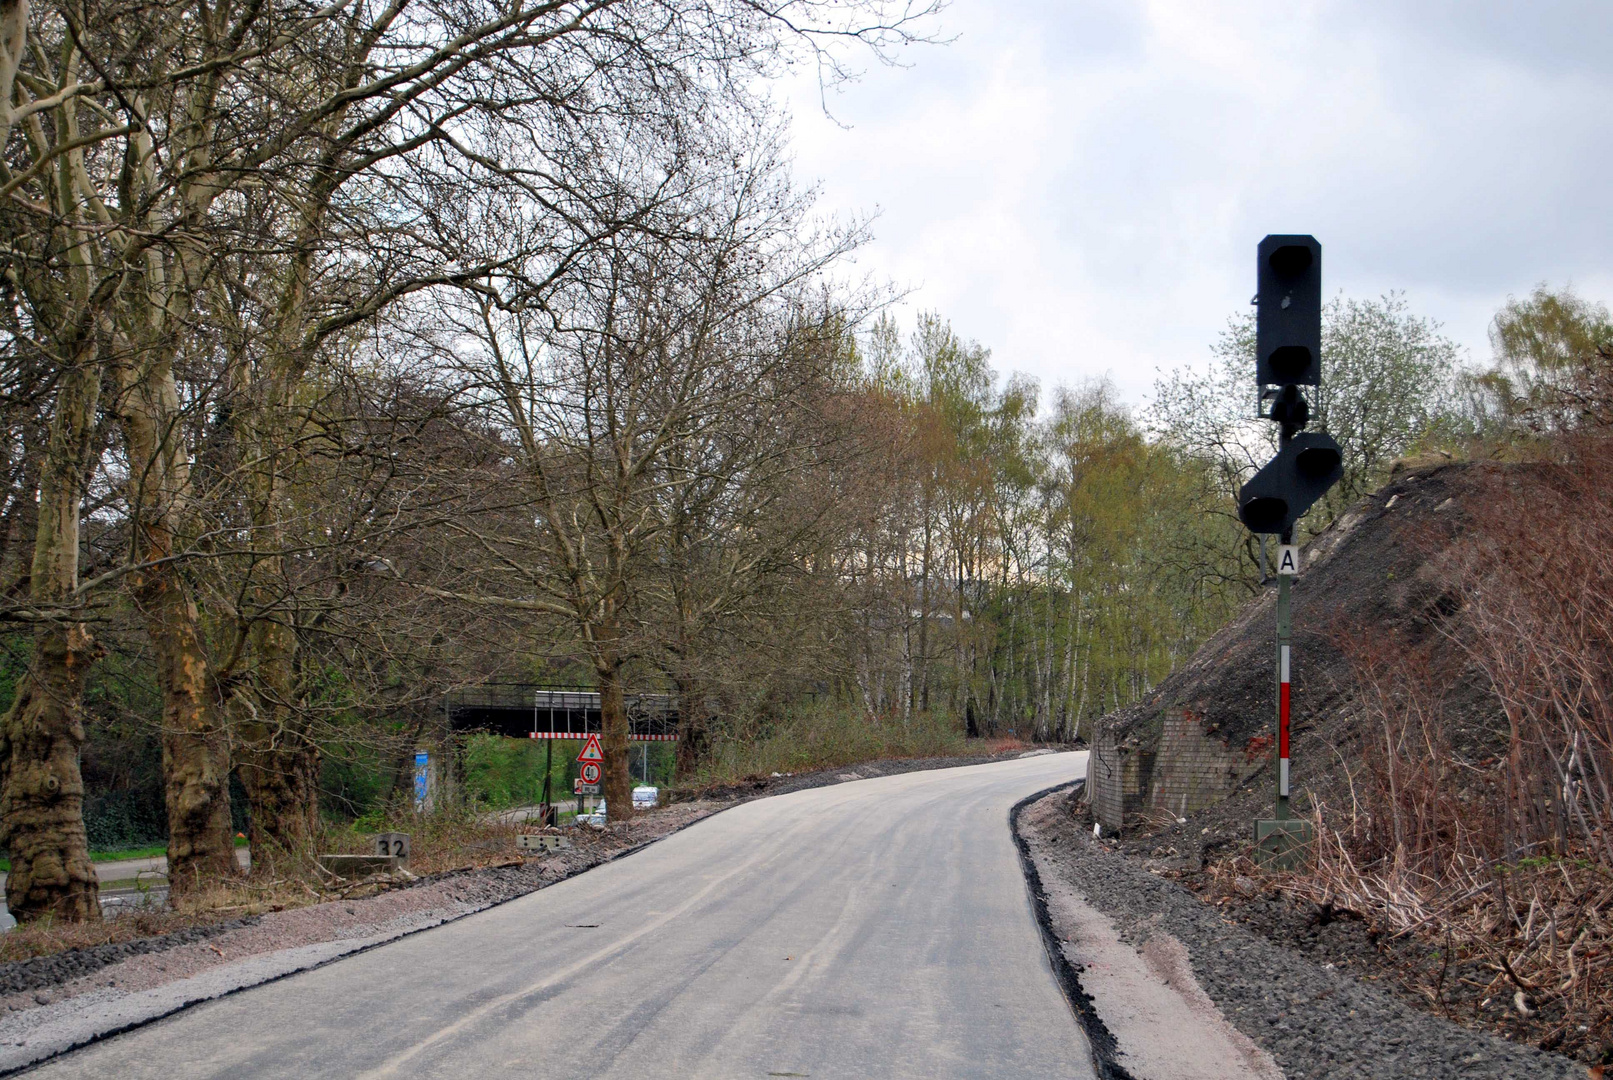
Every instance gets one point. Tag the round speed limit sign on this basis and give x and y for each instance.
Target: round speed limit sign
(590, 772)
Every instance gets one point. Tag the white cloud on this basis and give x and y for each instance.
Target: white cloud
(1081, 185)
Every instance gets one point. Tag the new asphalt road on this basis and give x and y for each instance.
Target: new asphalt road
(872, 929)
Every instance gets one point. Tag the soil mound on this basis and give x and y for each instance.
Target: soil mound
(1376, 576)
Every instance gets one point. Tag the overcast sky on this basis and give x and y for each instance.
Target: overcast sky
(1080, 184)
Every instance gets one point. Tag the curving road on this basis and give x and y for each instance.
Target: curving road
(876, 928)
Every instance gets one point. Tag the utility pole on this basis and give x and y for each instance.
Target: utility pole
(1288, 356)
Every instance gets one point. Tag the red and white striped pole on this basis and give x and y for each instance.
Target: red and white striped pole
(1287, 567)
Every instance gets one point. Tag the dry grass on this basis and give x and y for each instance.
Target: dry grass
(452, 839)
(1008, 744)
(1542, 926)
(46, 937)
(1524, 948)
(1540, 614)
(831, 735)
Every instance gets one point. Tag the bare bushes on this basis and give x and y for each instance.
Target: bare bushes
(833, 733)
(1421, 815)
(1539, 577)
(1495, 838)
(1521, 933)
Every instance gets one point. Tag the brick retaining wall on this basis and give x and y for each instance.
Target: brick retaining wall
(1187, 769)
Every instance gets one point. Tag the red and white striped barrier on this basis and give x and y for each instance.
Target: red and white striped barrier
(580, 735)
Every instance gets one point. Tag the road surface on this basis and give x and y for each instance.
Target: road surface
(872, 929)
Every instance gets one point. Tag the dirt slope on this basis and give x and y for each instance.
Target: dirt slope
(1376, 576)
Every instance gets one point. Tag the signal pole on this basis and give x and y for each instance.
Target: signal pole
(1292, 412)
(1288, 356)
(1284, 634)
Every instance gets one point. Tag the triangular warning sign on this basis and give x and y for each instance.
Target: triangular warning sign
(591, 750)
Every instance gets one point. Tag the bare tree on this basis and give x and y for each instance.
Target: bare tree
(743, 507)
(204, 208)
(613, 383)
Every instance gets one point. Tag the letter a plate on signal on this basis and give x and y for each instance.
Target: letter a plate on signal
(1288, 559)
(591, 750)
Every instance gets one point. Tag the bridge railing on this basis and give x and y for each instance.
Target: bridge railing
(546, 711)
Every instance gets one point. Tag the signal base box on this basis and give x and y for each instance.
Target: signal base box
(1284, 844)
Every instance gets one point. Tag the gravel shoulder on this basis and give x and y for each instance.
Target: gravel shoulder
(51, 1004)
(1314, 1020)
(1204, 853)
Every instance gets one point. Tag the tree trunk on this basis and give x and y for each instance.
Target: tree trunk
(21, 521)
(42, 808)
(279, 771)
(279, 768)
(694, 734)
(613, 721)
(41, 788)
(277, 762)
(276, 757)
(195, 744)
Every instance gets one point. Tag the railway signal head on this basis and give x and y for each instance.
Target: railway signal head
(1277, 496)
(1288, 312)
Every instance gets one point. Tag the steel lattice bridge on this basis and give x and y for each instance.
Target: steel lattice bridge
(546, 711)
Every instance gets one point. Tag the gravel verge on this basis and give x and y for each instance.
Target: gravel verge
(1315, 1020)
(39, 972)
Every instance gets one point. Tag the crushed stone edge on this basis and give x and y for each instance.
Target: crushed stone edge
(1100, 1040)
